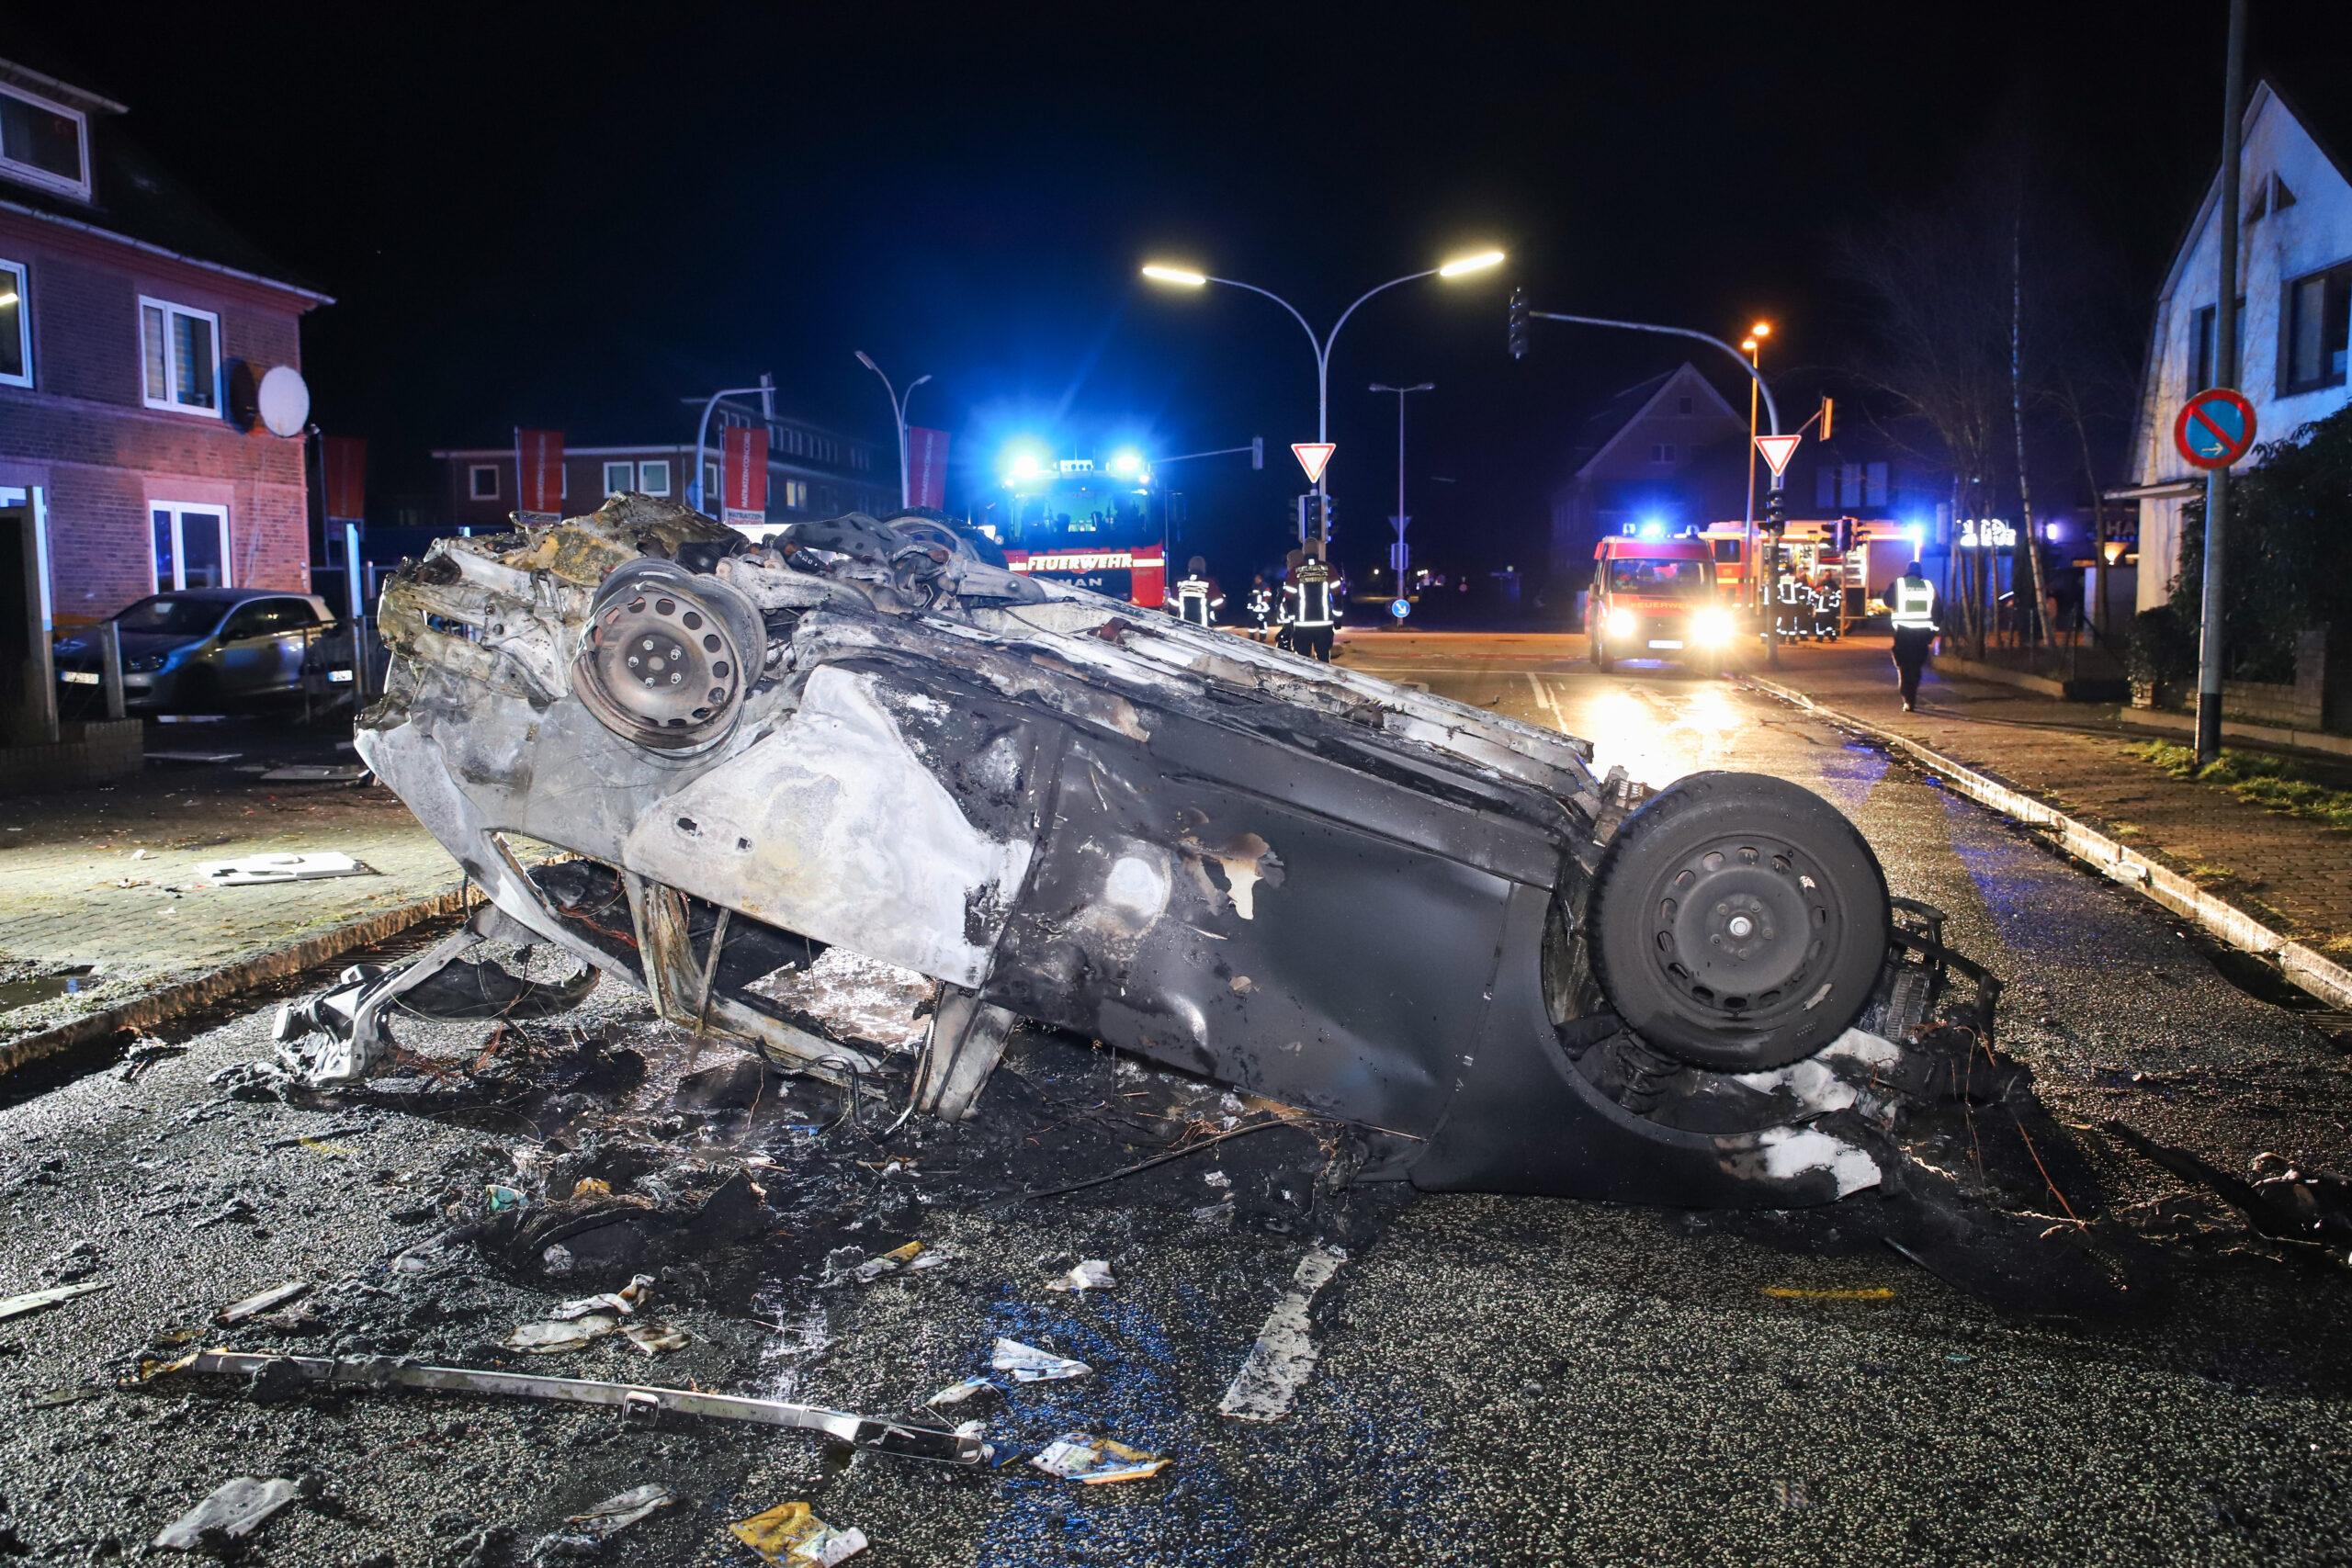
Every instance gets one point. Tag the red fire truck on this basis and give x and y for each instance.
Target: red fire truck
(1093, 527)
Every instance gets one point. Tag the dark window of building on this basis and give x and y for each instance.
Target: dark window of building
(2319, 310)
(181, 348)
(1849, 484)
(2203, 367)
(1682, 406)
(1662, 453)
(1874, 485)
(41, 142)
(482, 482)
(1824, 484)
(653, 475)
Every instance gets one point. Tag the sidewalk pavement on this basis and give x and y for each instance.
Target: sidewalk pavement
(105, 876)
(2293, 876)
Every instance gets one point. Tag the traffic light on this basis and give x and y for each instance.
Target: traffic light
(1828, 408)
(1519, 324)
(1776, 510)
(1841, 536)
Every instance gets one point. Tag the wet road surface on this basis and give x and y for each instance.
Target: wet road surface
(1503, 1380)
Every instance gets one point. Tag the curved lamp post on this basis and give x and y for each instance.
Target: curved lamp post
(897, 412)
(1184, 277)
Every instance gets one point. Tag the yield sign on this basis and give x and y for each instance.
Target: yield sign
(1778, 450)
(1312, 456)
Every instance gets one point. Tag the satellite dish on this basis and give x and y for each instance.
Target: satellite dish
(285, 400)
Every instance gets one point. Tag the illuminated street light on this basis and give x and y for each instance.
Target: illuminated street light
(1478, 262)
(1322, 346)
(1761, 328)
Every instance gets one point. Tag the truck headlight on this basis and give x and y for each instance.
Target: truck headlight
(1622, 623)
(1711, 628)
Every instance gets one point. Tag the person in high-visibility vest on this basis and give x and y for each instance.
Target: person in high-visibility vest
(1912, 601)
(1833, 608)
(1260, 604)
(1196, 597)
(1788, 596)
(1311, 595)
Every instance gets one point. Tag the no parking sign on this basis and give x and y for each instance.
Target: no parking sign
(2215, 428)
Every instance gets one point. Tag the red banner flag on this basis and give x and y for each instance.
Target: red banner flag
(926, 467)
(539, 459)
(346, 461)
(744, 476)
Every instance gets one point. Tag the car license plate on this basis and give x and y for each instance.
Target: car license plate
(1662, 642)
(78, 677)
(339, 675)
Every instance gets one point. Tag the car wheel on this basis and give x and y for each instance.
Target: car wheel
(1738, 921)
(1600, 656)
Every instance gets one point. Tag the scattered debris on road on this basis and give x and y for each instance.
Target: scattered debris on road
(253, 1306)
(234, 1510)
(16, 1306)
(793, 1535)
(1029, 1364)
(1096, 1461)
(254, 871)
(617, 1512)
(1285, 1352)
(1093, 1274)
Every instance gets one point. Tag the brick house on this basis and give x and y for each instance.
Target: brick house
(1669, 450)
(135, 326)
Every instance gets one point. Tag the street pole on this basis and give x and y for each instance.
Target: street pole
(899, 413)
(1322, 346)
(766, 389)
(2225, 370)
(1402, 392)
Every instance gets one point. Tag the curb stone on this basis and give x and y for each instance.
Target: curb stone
(2309, 969)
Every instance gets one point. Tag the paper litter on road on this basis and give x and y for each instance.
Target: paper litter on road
(1092, 1275)
(890, 1262)
(235, 1509)
(956, 1394)
(617, 1512)
(253, 1306)
(653, 1338)
(194, 756)
(256, 870)
(554, 1338)
(16, 1306)
(1029, 1364)
(1096, 1461)
(1284, 1354)
(791, 1534)
(625, 1300)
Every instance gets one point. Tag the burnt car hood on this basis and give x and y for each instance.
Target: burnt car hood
(1345, 896)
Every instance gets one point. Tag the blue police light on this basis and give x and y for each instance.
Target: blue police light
(1652, 529)
(1918, 534)
(1023, 465)
(1128, 463)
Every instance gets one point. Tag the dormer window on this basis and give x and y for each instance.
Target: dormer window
(44, 145)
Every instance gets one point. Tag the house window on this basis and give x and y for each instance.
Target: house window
(482, 482)
(181, 349)
(191, 547)
(653, 476)
(1849, 484)
(619, 477)
(15, 328)
(2203, 376)
(43, 143)
(1824, 484)
(1874, 485)
(796, 494)
(1662, 453)
(711, 489)
(1682, 406)
(2319, 310)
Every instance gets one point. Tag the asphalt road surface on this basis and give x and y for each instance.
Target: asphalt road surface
(1502, 1379)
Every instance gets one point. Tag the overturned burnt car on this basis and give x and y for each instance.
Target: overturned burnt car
(1430, 923)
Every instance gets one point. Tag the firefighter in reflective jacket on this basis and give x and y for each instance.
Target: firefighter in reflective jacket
(1312, 617)
(1912, 599)
(1197, 597)
(1789, 596)
(1830, 620)
(1260, 604)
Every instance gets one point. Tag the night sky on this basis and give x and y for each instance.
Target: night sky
(573, 216)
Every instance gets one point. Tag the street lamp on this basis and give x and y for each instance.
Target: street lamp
(1185, 278)
(766, 389)
(899, 413)
(1753, 347)
(1397, 562)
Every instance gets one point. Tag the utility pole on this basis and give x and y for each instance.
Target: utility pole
(2225, 370)
(1397, 559)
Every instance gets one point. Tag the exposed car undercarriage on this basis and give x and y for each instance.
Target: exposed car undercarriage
(1427, 922)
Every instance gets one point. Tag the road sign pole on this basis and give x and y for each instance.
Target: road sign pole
(2225, 355)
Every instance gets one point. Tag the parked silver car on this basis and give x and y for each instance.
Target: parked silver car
(203, 649)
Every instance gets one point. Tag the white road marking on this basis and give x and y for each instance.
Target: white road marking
(1543, 699)
(1283, 1356)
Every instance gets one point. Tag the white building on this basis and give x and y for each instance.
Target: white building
(2295, 273)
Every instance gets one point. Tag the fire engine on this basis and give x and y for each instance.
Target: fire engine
(1092, 526)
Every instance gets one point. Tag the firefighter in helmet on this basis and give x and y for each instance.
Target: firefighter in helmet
(1259, 606)
(1196, 597)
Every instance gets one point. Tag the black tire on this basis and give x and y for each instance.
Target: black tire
(1701, 857)
(1600, 655)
